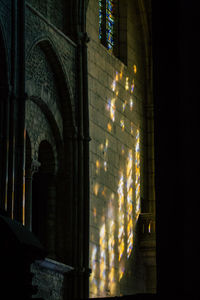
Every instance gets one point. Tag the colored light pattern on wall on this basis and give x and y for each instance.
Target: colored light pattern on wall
(122, 124)
(98, 165)
(116, 233)
(121, 230)
(121, 226)
(129, 204)
(131, 103)
(106, 15)
(112, 109)
(102, 243)
(135, 68)
(137, 173)
(96, 189)
(104, 150)
(122, 150)
(111, 256)
(111, 246)
(127, 84)
(109, 127)
(132, 128)
(93, 280)
(124, 105)
(132, 86)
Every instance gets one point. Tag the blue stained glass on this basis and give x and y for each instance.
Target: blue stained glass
(106, 18)
(100, 19)
(109, 24)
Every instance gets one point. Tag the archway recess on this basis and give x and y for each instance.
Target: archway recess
(44, 199)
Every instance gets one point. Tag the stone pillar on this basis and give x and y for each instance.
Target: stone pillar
(150, 160)
(81, 261)
(147, 244)
(18, 82)
(28, 192)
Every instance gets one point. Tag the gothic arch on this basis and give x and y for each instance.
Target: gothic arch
(58, 113)
(45, 127)
(63, 82)
(65, 99)
(54, 128)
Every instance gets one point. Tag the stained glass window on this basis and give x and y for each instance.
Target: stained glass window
(100, 19)
(107, 23)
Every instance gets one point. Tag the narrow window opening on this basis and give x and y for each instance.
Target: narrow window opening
(113, 27)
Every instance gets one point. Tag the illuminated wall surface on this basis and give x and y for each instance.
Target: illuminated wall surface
(119, 212)
(115, 164)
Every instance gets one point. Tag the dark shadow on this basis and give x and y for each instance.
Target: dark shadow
(41, 198)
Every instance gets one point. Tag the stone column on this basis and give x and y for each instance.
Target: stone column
(147, 244)
(28, 192)
(150, 160)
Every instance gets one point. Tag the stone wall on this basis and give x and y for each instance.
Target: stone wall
(52, 10)
(117, 95)
(51, 109)
(50, 276)
(117, 98)
(38, 28)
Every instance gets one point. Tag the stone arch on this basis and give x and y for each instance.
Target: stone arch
(63, 82)
(66, 110)
(57, 137)
(41, 125)
(58, 117)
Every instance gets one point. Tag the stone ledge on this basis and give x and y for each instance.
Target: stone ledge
(53, 265)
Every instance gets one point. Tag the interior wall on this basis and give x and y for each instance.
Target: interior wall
(117, 93)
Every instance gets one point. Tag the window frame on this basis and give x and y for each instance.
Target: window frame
(118, 47)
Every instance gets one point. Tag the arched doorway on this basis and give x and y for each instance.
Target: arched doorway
(44, 199)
